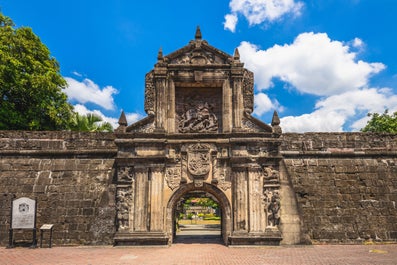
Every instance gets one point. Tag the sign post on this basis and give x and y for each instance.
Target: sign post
(23, 216)
(46, 227)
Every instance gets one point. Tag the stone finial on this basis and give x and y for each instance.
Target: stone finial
(236, 54)
(123, 120)
(275, 119)
(276, 123)
(198, 35)
(160, 55)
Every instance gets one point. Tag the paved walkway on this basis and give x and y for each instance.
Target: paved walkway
(203, 254)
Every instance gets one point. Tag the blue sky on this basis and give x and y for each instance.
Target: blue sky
(322, 64)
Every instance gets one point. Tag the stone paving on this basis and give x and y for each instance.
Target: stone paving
(203, 254)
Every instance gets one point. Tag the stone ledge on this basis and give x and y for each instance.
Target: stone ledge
(267, 238)
(140, 238)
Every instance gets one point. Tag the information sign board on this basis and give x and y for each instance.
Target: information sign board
(23, 213)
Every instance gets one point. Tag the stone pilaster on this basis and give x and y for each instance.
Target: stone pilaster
(240, 200)
(156, 186)
(141, 192)
(257, 219)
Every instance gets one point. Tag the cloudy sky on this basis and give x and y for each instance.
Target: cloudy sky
(322, 64)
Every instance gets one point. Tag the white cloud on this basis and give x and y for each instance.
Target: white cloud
(230, 22)
(332, 113)
(259, 11)
(131, 117)
(87, 91)
(264, 104)
(357, 43)
(77, 74)
(312, 64)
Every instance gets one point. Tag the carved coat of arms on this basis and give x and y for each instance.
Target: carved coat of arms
(173, 177)
(199, 159)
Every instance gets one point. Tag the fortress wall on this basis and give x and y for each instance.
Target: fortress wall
(70, 174)
(345, 185)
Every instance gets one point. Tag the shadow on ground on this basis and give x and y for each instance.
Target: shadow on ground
(198, 234)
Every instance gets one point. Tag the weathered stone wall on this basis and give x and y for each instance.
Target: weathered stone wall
(345, 184)
(70, 174)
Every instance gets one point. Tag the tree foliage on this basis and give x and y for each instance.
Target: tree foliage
(31, 96)
(89, 123)
(204, 201)
(381, 123)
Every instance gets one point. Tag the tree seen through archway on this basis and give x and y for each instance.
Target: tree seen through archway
(198, 218)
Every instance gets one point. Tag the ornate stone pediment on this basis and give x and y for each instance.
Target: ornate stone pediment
(198, 52)
(201, 55)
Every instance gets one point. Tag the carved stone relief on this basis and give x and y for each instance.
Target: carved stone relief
(249, 126)
(271, 196)
(197, 56)
(125, 174)
(146, 128)
(221, 171)
(149, 93)
(198, 110)
(199, 159)
(123, 207)
(248, 90)
(173, 177)
(197, 119)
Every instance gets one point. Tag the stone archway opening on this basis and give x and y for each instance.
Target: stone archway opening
(190, 217)
(198, 218)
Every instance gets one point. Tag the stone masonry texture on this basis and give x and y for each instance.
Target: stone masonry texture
(70, 175)
(345, 184)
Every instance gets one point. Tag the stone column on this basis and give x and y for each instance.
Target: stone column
(240, 200)
(257, 220)
(156, 199)
(141, 202)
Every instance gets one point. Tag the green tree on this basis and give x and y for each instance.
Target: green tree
(381, 123)
(89, 123)
(31, 96)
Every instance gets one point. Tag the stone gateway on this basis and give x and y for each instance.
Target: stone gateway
(124, 188)
(199, 135)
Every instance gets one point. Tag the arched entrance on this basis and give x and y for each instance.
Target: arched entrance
(224, 205)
